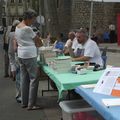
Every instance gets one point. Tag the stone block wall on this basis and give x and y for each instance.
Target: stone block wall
(66, 15)
(103, 14)
(74, 14)
(49, 11)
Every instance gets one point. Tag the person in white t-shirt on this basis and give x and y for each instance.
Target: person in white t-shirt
(89, 52)
(69, 43)
(28, 42)
(75, 43)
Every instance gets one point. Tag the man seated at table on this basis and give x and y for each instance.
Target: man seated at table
(89, 50)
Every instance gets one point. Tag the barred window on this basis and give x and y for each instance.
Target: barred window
(20, 1)
(12, 1)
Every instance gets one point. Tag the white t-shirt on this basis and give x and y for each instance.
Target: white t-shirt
(76, 44)
(90, 49)
(68, 42)
(26, 45)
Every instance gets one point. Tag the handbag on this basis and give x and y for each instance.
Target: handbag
(38, 43)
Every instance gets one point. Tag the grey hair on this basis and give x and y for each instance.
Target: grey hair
(71, 32)
(29, 14)
(15, 22)
(83, 31)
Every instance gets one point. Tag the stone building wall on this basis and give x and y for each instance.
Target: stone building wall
(80, 14)
(74, 14)
(49, 11)
(64, 15)
(15, 10)
(57, 15)
(103, 14)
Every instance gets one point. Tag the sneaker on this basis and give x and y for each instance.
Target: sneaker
(18, 100)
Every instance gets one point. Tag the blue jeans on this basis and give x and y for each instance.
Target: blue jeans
(18, 82)
(29, 83)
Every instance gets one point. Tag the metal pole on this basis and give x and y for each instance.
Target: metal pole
(91, 18)
(40, 14)
(0, 12)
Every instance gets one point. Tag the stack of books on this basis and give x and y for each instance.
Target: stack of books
(62, 64)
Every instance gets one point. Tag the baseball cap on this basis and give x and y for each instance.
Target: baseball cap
(15, 22)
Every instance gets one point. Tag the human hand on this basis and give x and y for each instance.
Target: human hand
(73, 59)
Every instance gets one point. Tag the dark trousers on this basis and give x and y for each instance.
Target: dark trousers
(113, 37)
(6, 63)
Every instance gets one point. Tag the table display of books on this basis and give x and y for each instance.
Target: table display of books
(61, 64)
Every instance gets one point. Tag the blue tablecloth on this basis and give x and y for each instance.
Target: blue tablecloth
(95, 100)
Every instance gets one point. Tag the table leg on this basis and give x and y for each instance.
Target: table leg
(48, 87)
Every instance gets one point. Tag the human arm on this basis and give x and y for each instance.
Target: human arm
(89, 52)
(67, 46)
(15, 45)
(38, 41)
(34, 36)
(81, 58)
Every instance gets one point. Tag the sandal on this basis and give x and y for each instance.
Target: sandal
(34, 108)
(24, 106)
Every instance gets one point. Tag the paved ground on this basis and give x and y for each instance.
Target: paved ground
(113, 53)
(111, 47)
(10, 110)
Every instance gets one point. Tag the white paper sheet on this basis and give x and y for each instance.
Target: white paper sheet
(111, 102)
(107, 81)
(89, 86)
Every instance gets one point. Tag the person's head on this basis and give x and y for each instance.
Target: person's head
(60, 36)
(47, 35)
(87, 29)
(71, 35)
(29, 16)
(15, 23)
(81, 36)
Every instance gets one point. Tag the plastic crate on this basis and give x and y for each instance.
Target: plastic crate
(69, 108)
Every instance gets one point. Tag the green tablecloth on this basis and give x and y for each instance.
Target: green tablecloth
(68, 81)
